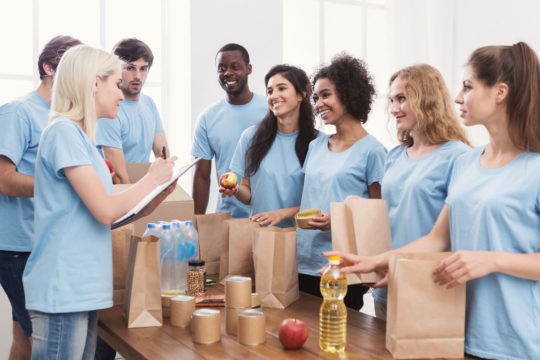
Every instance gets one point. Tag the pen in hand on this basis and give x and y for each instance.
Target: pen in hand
(164, 153)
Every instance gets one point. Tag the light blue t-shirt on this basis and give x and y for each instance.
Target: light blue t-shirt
(498, 210)
(278, 182)
(331, 177)
(218, 130)
(415, 191)
(133, 130)
(70, 267)
(21, 123)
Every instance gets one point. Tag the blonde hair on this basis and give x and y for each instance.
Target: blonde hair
(74, 81)
(430, 101)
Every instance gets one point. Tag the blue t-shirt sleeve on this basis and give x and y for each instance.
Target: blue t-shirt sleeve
(238, 161)
(15, 134)
(201, 144)
(375, 165)
(108, 133)
(60, 137)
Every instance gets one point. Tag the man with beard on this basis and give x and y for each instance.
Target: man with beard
(220, 125)
(138, 129)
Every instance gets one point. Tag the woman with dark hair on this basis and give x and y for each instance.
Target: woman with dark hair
(491, 219)
(349, 162)
(270, 156)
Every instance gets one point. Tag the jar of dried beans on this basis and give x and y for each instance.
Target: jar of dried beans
(196, 278)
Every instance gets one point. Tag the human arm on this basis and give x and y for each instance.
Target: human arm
(438, 240)
(463, 266)
(160, 142)
(201, 185)
(271, 218)
(374, 190)
(242, 192)
(107, 208)
(117, 160)
(12, 182)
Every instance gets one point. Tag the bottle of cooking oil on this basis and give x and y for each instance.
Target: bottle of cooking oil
(333, 313)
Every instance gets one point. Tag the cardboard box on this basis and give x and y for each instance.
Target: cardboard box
(178, 205)
(137, 170)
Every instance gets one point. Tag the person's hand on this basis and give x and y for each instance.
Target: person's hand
(161, 170)
(321, 222)
(229, 191)
(268, 218)
(463, 266)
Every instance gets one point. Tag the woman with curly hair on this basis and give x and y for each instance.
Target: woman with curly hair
(417, 172)
(349, 162)
(265, 155)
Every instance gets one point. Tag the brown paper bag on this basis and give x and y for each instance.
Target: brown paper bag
(237, 248)
(424, 319)
(276, 268)
(209, 228)
(143, 294)
(120, 251)
(361, 226)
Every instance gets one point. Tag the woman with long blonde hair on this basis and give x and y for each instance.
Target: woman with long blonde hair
(416, 178)
(68, 276)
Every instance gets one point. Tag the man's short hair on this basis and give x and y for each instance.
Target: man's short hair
(235, 47)
(132, 49)
(53, 51)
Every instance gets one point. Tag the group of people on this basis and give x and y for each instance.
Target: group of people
(483, 204)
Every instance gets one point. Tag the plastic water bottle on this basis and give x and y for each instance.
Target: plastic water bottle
(192, 241)
(333, 313)
(180, 263)
(152, 230)
(167, 259)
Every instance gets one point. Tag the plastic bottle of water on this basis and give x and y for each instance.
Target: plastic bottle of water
(167, 259)
(192, 241)
(152, 229)
(333, 313)
(180, 263)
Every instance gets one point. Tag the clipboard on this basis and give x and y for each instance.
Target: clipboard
(177, 172)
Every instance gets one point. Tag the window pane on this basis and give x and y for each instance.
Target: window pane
(16, 29)
(377, 47)
(79, 19)
(12, 89)
(123, 20)
(301, 34)
(342, 29)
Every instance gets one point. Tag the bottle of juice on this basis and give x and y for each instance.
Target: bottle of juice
(333, 313)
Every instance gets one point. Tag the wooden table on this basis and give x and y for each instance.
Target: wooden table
(365, 337)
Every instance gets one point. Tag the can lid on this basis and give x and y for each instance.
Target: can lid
(196, 262)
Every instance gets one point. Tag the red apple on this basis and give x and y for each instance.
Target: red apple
(292, 333)
(109, 165)
(228, 180)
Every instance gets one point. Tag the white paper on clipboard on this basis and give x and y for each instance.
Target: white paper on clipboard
(177, 172)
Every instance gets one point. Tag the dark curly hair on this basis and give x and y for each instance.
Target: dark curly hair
(267, 129)
(354, 84)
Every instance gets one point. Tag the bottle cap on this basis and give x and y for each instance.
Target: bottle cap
(196, 262)
(333, 259)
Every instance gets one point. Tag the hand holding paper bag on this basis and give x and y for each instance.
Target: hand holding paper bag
(361, 226)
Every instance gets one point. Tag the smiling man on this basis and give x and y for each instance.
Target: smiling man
(220, 125)
(138, 130)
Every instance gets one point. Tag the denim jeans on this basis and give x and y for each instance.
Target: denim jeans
(12, 265)
(64, 336)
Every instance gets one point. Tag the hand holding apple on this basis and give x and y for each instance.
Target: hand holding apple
(293, 333)
(228, 180)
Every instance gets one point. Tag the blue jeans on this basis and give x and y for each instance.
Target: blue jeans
(64, 336)
(12, 265)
